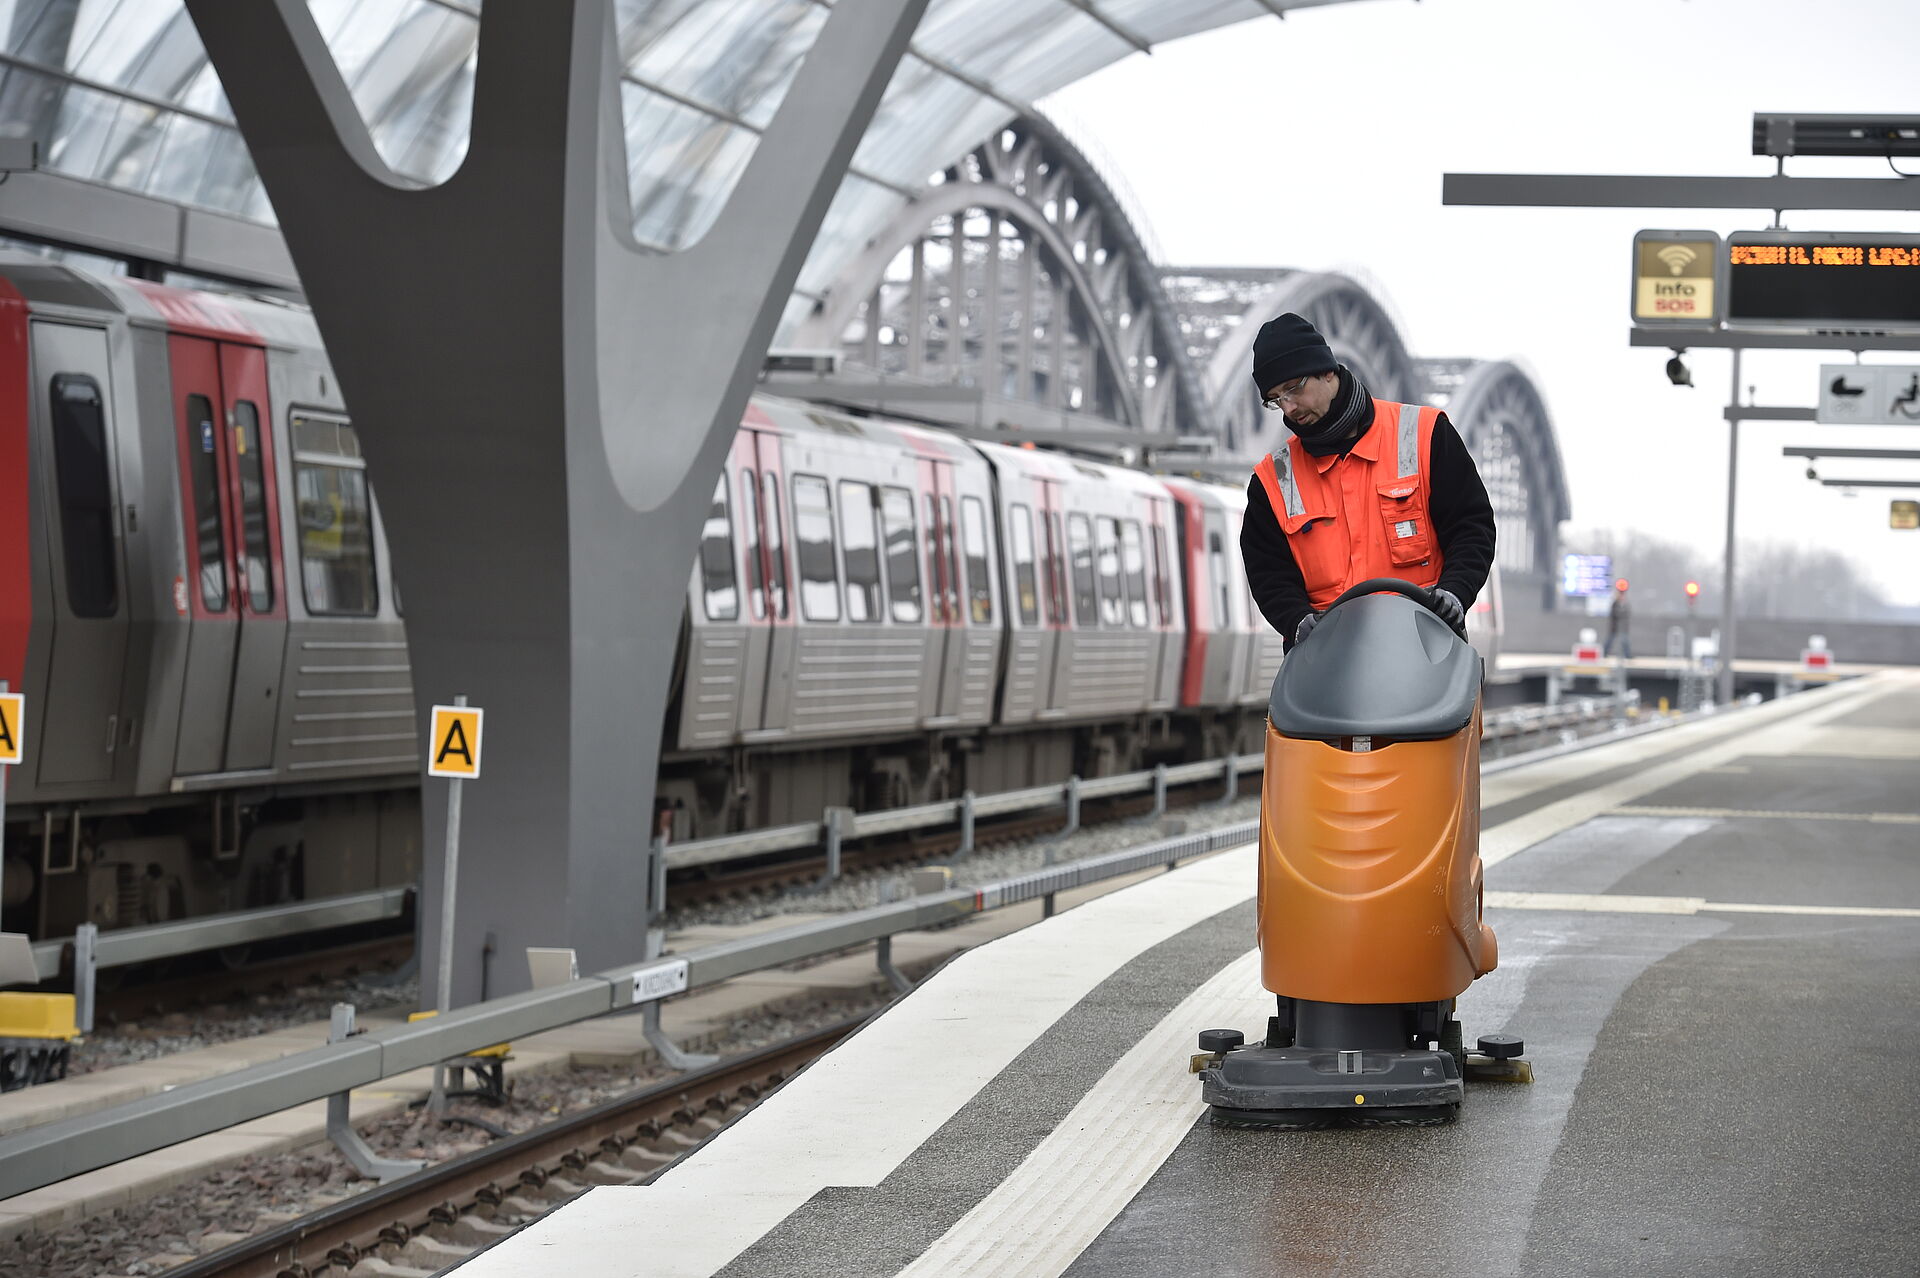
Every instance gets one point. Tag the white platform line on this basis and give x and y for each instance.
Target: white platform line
(1732, 814)
(1040, 1219)
(859, 1112)
(1605, 903)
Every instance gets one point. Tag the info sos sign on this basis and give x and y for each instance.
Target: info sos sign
(1675, 274)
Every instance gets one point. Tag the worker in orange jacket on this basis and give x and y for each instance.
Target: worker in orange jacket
(1361, 488)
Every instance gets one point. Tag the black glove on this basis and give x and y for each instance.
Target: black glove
(1307, 623)
(1448, 607)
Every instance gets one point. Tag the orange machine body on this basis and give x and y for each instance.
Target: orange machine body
(1369, 880)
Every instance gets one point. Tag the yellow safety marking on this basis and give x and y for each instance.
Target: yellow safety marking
(13, 726)
(1601, 903)
(455, 743)
(1881, 818)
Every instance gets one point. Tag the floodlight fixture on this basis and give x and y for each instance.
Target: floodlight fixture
(1781, 134)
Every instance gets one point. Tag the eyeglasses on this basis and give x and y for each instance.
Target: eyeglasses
(1285, 394)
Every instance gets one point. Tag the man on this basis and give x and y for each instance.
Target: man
(1619, 619)
(1362, 488)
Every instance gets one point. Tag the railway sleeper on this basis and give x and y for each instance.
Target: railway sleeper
(472, 1230)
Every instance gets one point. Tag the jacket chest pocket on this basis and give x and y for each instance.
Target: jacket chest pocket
(1409, 530)
(1321, 549)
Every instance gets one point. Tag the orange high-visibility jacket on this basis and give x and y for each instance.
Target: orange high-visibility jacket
(1362, 515)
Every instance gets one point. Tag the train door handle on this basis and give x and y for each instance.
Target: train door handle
(113, 732)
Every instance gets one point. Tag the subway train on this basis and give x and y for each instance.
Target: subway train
(197, 599)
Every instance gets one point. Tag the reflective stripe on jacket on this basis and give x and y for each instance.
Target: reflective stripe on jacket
(1348, 518)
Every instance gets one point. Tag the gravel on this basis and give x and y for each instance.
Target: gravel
(148, 1237)
(222, 1022)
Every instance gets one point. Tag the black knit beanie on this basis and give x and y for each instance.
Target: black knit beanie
(1288, 347)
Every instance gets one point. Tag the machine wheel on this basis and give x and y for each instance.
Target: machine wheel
(1453, 1042)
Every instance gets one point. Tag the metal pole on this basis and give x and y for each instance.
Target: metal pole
(966, 826)
(443, 998)
(1725, 655)
(86, 939)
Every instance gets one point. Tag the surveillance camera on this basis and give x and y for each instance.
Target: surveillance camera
(1677, 371)
(1812, 474)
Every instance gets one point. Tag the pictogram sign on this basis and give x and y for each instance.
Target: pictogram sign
(454, 747)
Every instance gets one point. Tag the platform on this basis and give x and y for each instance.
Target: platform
(1710, 939)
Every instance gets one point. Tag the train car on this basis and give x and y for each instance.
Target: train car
(844, 622)
(220, 702)
(1232, 654)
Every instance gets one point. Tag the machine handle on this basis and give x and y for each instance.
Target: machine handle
(1393, 585)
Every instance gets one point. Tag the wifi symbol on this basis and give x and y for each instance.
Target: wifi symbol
(1677, 257)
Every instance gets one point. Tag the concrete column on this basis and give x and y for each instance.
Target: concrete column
(537, 397)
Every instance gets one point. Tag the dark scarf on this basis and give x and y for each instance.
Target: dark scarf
(1348, 417)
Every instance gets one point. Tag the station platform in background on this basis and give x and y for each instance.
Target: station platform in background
(1710, 940)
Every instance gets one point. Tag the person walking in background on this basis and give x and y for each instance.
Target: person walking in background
(1619, 621)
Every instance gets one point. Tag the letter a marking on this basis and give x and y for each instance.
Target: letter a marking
(456, 743)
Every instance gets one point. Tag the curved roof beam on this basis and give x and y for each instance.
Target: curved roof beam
(1499, 392)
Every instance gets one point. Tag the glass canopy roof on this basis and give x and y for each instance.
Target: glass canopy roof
(121, 92)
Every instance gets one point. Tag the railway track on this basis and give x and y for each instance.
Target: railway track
(436, 1217)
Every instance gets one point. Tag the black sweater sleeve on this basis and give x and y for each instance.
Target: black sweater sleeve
(1462, 515)
(1272, 572)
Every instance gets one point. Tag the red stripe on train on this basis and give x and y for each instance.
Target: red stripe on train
(16, 567)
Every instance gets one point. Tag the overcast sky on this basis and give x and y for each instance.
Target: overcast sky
(1320, 142)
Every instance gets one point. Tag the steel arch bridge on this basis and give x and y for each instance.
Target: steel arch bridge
(1017, 296)
(1019, 276)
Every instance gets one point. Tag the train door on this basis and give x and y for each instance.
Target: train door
(1223, 684)
(73, 398)
(947, 617)
(1059, 654)
(767, 697)
(239, 630)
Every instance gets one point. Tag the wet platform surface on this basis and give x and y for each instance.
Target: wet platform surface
(1710, 939)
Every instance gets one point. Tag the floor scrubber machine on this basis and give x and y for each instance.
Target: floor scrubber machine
(1369, 879)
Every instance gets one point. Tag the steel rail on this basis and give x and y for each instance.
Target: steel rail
(360, 1223)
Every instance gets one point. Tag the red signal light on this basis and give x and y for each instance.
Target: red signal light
(1621, 584)
(1693, 589)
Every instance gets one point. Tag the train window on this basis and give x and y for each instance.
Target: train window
(719, 587)
(1080, 542)
(209, 518)
(1025, 587)
(336, 521)
(1113, 604)
(813, 533)
(1162, 593)
(776, 545)
(1056, 569)
(1217, 565)
(750, 545)
(254, 544)
(950, 560)
(936, 569)
(1133, 560)
(973, 533)
(86, 495)
(903, 554)
(860, 541)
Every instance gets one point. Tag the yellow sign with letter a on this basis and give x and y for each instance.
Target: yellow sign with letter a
(454, 747)
(13, 726)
